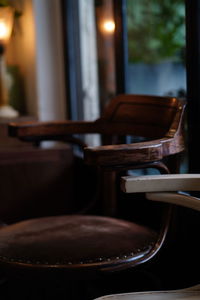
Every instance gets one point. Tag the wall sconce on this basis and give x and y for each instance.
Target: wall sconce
(6, 25)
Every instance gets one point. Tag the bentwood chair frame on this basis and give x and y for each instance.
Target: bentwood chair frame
(160, 122)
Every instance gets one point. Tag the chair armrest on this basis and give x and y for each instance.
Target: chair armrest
(125, 154)
(161, 183)
(160, 187)
(175, 198)
(37, 131)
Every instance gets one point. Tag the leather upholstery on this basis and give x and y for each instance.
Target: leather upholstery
(58, 240)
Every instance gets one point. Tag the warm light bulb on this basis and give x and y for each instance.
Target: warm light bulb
(6, 24)
(3, 30)
(109, 26)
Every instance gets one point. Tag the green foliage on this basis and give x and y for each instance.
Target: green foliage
(156, 30)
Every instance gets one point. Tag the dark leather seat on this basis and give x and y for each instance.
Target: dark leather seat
(69, 241)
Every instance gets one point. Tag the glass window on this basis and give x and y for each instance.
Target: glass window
(156, 47)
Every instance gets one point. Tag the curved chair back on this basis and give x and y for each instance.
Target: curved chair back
(143, 115)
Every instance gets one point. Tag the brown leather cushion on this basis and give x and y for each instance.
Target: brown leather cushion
(73, 240)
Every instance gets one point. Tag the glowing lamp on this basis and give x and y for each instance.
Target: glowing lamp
(109, 26)
(6, 25)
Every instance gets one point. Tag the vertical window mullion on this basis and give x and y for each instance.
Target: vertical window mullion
(121, 45)
(73, 58)
(193, 82)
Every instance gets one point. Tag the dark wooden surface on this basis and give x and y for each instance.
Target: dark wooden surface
(157, 119)
(35, 182)
(7, 142)
(32, 178)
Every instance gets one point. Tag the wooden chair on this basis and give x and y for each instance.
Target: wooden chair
(169, 189)
(87, 245)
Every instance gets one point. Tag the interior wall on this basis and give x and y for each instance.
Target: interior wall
(49, 60)
(36, 48)
(21, 52)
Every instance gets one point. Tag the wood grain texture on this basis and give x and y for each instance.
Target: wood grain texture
(156, 118)
(159, 120)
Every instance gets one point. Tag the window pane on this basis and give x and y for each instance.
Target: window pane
(156, 47)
